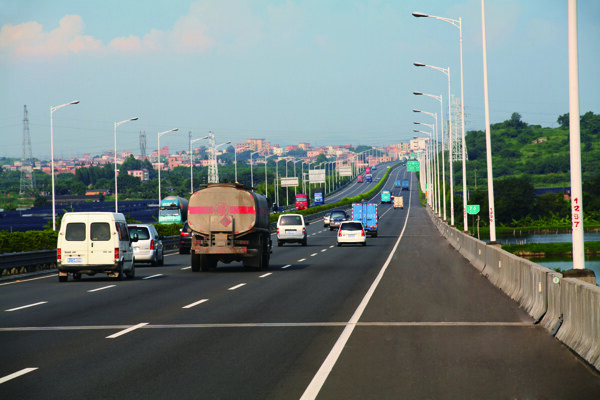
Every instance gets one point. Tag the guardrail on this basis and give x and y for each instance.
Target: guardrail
(33, 261)
(567, 308)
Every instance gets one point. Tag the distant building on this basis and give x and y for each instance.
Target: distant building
(143, 174)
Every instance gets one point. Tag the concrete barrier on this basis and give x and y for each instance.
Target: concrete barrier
(553, 317)
(580, 303)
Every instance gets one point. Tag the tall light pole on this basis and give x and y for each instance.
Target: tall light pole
(52, 109)
(434, 171)
(116, 192)
(266, 181)
(429, 166)
(215, 159)
(437, 160)
(440, 99)
(458, 24)
(159, 165)
(192, 141)
(251, 173)
(445, 71)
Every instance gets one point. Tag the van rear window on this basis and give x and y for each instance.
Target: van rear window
(290, 220)
(75, 232)
(100, 231)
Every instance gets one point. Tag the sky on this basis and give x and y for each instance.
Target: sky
(326, 72)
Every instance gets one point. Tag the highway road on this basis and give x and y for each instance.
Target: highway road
(404, 317)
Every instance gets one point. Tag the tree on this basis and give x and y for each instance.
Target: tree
(514, 198)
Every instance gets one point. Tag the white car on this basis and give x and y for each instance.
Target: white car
(291, 228)
(352, 232)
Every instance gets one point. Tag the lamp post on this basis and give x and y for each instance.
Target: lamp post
(266, 181)
(434, 171)
(458, 24)
(52, 109)
(216, 163)
(192, 141)
(429, 162)
(159, 165)
(251, 173)
(445, 71)
(116, 192)
(437, 160)
(440, 99)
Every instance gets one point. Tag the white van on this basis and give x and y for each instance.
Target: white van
(94, 242)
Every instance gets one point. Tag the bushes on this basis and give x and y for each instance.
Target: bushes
(14, 242)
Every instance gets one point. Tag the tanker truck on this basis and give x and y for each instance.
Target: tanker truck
(229, 222)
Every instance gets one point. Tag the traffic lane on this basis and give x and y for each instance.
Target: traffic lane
(317, 300)
(434, 326)
(458, 362)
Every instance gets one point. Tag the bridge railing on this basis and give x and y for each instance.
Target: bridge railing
(568, 308)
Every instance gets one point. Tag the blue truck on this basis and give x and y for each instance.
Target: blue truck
(319, 196)
(367, 214)
(405, 184)
(369, 178)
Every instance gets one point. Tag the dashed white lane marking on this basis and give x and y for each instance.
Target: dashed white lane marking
(17, 374)
(236, 286)
(302, 259)
(184, 268)
(123, 332)
(152, 276)
(27, 306)
(286, 266)
(265, 275)
(101, 288)
(313, 254)
(331, 247)
(195, 304)
(323, 251)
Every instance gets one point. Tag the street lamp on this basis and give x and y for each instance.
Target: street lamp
(192, 141)
(437, 160)
(216, 163)
(434, 171)
(52, 109)
(457, 24)
(445, 71)
(440, 99)
(159, 165)
(266, 181)
(251, 173)
(116, 192)
(428, 164)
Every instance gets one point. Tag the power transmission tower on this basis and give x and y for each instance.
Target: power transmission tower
(143, 145)
(27, 177)
(457, 132)
(213, 171)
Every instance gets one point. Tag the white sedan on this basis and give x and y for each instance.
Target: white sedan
(351, 232)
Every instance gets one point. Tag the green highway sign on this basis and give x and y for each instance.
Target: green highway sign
(412, 166)
(473, 209)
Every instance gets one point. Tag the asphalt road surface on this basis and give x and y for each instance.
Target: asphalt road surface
(405, 317)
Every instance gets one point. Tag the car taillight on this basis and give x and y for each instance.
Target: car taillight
(278, 231)
(152, 244)
(340, 232)
(58, 255)
(185, 234)
(116, 253)
(362, 232)
(303, 231)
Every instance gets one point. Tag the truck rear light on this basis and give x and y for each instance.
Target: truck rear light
(152, 244)
(116, 253)
(58, 255)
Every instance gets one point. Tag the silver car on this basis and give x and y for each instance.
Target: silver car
(149, 246)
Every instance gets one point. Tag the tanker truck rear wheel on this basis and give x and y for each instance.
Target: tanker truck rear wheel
(195, 261)
(207, 262)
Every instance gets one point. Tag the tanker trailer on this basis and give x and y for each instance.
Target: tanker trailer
(229, 222)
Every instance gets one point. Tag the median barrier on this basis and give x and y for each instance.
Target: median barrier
(533, 294)
(580, 330)
(553, 317)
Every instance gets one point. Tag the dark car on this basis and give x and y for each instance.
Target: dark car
(185, 240)
(336, 217)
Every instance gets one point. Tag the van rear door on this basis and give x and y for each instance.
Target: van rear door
(103, 238)
(76, 242)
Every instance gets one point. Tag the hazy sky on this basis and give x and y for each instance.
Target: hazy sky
(317, 71)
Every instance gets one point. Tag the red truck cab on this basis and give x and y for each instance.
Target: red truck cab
(359, 179)
(301, 201)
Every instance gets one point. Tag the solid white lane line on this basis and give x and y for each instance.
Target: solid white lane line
(265, 275)
(152, 276)
(132, 328)
(236, 286)
(322, 374)
(17, 374)
(27, 306)
(196, 303)
(286, 266)
(302, 259)
(102, 288)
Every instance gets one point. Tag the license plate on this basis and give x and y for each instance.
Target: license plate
(74, 260)
(290, 231)
(351, 236)
(136, 249)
